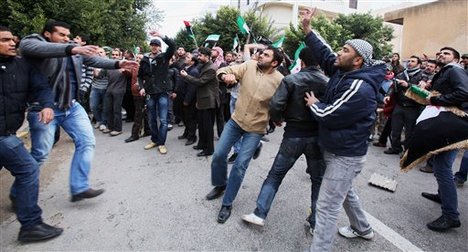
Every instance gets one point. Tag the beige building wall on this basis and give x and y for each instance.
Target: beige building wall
(428, 27)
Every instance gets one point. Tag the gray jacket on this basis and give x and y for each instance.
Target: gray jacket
(51, 60)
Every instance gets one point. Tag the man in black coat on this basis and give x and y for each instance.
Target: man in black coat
(300, 136)
(207, 100)
(18, 81)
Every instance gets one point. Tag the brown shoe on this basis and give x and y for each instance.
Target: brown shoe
(90, 193)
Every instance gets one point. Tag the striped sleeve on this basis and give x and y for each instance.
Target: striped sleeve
(347, 107)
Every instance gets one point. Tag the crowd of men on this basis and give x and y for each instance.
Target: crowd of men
(328, 108)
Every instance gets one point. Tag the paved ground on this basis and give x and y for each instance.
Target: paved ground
(156, 202)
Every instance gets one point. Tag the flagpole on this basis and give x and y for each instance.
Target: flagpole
(195, 41)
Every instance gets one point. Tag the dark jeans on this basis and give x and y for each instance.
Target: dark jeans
(403, 117)
(157, 105)
(139, 118)
(462, 174)
(290, 150)
(113, 110)
(15, 158)
(206, 119)
(190, 121)
(442, 165)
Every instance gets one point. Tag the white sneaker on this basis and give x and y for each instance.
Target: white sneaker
(349, 233)
(102, 127)
(96, 125)
(254, 219)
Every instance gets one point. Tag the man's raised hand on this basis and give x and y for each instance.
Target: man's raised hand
(306, 15)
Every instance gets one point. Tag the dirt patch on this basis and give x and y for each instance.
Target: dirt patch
(60, 153)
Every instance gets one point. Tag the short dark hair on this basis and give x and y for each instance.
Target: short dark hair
(417, 58)
(84, 37)
(194, 59)
(432, 62)
(456, 54)
(306, 56)
(51, 24)
(205, 51)
(277, 54)
(4, 29)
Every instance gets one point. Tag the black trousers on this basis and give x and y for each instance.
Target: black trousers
(139, 118)
(206, 118)
(387, 130)
(128, 105)
(220, 119)
(403, 117)
(113, 110)
(189, 117)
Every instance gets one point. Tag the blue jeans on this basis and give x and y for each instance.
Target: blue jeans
(76, 123)
(336, 192)
(231, 134)
(442, 166)
(290, 150)
(15, 158)
(157, 106)
(462, 174)
(96, 100)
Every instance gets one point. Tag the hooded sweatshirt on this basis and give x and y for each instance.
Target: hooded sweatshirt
(346, 113)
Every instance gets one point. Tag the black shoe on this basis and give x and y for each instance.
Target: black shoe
(90, 193)
(443, 223)
(427, 169)
(39, 232)
(224, 214)
(265, 139)
(190, 142)
(131, 139)
(196, 147)
(232, 158)
(216, 192)
(379, 144)
(433, 197)
(257, 151)
(182, 137)
(391, 151)
(204, 154)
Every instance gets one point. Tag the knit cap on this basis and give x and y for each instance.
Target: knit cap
(363, 48)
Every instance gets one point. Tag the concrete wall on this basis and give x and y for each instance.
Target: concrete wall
(427, 28)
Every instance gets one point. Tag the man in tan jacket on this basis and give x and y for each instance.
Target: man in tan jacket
(259, 80)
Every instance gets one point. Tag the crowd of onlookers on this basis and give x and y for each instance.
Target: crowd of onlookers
(328, 108)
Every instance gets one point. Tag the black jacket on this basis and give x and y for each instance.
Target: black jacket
(18, 81)
(288, 102)
(452, 82)
(152, 73)
(172, 78)
(190, 91)
(400, 91)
